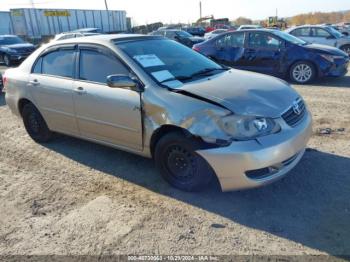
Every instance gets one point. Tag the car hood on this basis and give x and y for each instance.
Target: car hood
(245, 93)
(20, 46)
(325, 49)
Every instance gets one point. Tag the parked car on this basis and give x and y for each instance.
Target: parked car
(245, 27)
(195, 31)
(13, 49)
(180, 36)
(324, 35)
(88, 30)
(69, 35)
(159, 99)
(214, 33)
(276, 53)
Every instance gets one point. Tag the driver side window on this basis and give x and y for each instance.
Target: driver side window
(320, 32)
(95, 66)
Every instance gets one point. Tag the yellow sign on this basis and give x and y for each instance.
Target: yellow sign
(56, 13)
(16, 13)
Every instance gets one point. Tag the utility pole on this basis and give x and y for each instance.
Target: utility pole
(106, 5)
(200, 9)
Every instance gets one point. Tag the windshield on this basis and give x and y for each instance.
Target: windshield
(183, 34)
(10, 40)
(335, 32)
(167, 60)
(290, 38)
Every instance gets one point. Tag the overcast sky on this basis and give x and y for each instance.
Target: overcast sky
(148, 11)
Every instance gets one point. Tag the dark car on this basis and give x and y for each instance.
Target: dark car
(13, 49)
(276, 53)
(180, 36)
(198, 31)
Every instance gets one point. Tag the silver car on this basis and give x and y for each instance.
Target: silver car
(321, 34)
(157, 98)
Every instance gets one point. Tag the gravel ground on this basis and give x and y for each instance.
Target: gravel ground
(75, 197)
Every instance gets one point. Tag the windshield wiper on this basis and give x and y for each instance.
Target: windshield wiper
(179, 78)
(204, 71)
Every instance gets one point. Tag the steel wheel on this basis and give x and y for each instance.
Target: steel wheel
(176, 158)
(35, 124)
(302, 73)
(180, 163)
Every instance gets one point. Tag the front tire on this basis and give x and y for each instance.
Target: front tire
(35, 124)
(302, 72)
(180, 165)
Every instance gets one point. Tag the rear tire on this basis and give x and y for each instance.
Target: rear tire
(35, 124)
(346, 49)
(180, 165)
(302, 72)
(7, 60)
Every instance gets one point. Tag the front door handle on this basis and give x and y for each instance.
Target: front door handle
(80, 91)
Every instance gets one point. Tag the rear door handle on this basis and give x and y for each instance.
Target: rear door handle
(80, 91)
(34, 82)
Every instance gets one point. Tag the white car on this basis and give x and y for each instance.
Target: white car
(214, 33)
(320, 34)
(69, 35)
(244, 27)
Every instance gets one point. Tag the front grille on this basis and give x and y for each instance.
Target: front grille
(291, 116)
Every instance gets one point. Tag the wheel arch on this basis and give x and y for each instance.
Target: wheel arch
(21, 103)
(163, 130)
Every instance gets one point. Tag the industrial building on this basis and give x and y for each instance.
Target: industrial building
(40, 23)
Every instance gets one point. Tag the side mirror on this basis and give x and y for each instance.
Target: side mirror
(330, 37)
(123, 81)
(345, 33)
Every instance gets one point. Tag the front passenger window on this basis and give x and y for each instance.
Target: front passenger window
(96, 66)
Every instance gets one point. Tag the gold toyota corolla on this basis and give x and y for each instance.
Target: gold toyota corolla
(157, 98)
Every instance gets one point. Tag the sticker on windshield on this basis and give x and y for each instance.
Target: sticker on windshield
(163, 75)
(167, 78)
(148, 60)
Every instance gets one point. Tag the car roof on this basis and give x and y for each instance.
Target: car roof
(103, 38)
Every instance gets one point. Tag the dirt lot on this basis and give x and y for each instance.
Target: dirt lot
(75, 197)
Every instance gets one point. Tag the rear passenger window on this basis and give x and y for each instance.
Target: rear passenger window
(231, 40)
(235, 40)
(96, 66)
(59, 63)
(262, 40)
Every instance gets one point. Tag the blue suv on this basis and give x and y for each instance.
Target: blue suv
(276, 53)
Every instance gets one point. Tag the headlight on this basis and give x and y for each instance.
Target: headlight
(331, 58)
(248, 127)
(10, 50)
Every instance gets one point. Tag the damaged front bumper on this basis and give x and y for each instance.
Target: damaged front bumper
(254, 163)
